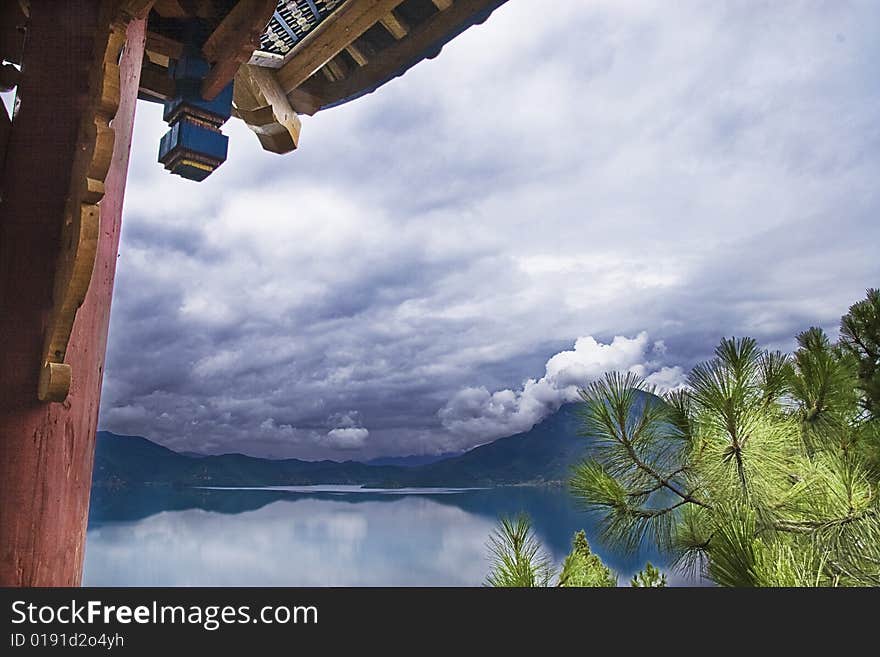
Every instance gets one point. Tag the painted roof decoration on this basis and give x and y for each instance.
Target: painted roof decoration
(291, 22)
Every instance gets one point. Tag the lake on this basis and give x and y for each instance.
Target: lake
(321, 536)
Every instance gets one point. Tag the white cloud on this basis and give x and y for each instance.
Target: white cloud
(479, 413)
(348, 437)
(667, 378)
(345, 419)
(345, 436)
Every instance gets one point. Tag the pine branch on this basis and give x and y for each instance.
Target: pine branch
(662, 482)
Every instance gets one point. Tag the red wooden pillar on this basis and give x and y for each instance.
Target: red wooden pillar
(47, 449)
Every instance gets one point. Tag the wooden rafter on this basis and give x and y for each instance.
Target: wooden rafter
(356, 54)
(442, 5)
(336, 71)
(394, 25)
(233, 42)
(419, 43)
(330, 38)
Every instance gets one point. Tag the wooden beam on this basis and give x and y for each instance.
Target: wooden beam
(158, 58)
(335, 69)
(442, 5)
(156, 82)
(394, 25)
(164, 45)
(268, 86)
(136, 8)
(170, 9)
(263, 85)
(327, 40)
(304, 102)
(356, 54)
(233, 42)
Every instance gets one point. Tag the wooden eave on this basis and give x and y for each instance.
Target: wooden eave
(421, 42)
(358, 47)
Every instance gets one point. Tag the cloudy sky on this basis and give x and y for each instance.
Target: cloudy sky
(607, 185)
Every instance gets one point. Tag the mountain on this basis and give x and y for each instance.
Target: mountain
(125, 460)
(543, 454)
(413, 460)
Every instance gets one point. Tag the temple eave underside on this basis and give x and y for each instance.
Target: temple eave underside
(314, 55)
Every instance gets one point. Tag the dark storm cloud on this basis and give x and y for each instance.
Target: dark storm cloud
(417, 275)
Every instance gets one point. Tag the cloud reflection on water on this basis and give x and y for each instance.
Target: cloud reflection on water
(281, 538)
(308, 542)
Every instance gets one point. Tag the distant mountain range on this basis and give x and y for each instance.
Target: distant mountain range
(413, 460)
(544, 454)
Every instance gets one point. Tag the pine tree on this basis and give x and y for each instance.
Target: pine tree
(517, 557)
(648, 577)
(583, 568)
(752, 475)
(519, 560)
(860, 336)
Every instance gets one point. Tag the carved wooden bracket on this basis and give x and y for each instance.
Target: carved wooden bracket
(276, 124)
(82, 214)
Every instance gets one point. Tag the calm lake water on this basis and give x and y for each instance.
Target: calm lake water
(320, 536)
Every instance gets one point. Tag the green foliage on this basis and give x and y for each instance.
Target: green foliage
(860, 340)
(519, 560)
(649, 577)
(822, 381)
(755, 474)
(583, 568)
(860, 337)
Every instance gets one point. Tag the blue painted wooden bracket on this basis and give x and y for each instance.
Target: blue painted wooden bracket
(194, 146)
